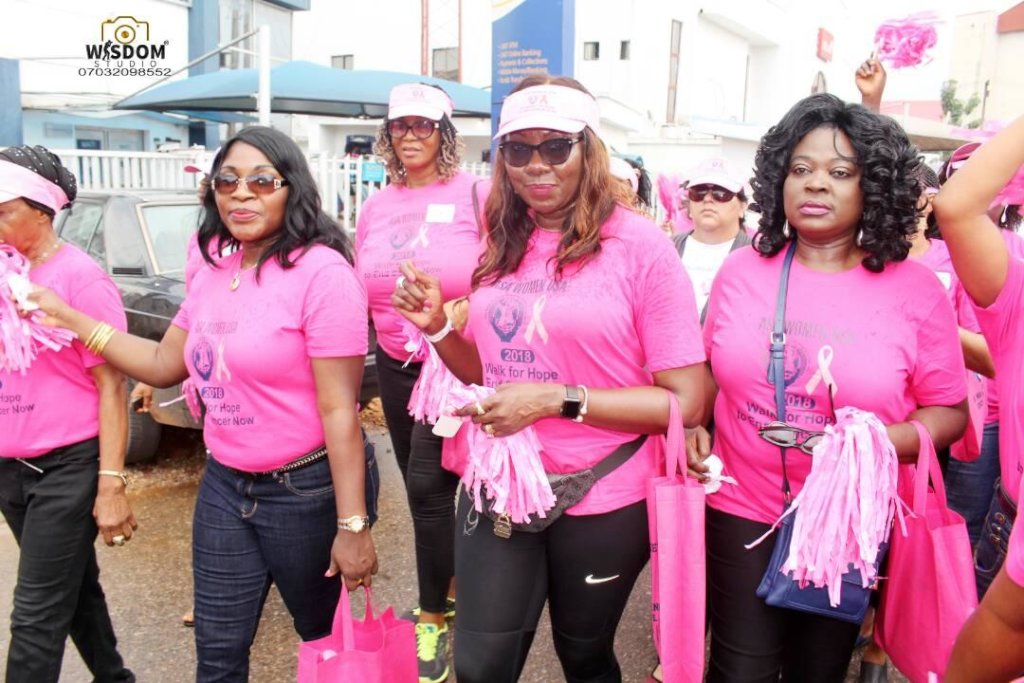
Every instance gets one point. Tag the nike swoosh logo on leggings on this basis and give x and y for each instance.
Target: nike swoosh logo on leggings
(604, 579)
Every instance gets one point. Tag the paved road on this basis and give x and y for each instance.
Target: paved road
(148, 584)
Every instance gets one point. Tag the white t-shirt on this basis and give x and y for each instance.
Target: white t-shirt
(702, 262)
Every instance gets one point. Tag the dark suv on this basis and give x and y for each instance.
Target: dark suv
(141, 239)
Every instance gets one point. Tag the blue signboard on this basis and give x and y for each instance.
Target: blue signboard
(10, 103)
(529, 37)
(373, 172)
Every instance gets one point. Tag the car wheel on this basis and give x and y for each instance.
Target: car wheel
(143, 437)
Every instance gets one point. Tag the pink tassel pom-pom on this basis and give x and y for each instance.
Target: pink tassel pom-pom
(905, 42)
(417, 345)
(668, 194)
(506, 471)
(22, 338)
(847, 504)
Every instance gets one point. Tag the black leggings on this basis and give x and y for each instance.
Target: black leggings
(752, 642)
(430, 488)
(584, 566)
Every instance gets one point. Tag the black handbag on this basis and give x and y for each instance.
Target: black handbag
(776, 588)
(569, 489)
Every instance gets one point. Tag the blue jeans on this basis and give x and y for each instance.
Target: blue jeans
(990, 552)
(969, 485)
(58, 591)
(251, 531)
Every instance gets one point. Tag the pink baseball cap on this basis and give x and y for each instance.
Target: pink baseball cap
(716, 171)
(960, 156)
(416, 99)
(17, 181)
(203, 164)
(554, 107)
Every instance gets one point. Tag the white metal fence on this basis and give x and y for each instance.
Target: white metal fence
(344, 182)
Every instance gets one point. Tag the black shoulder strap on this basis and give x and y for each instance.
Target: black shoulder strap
(777, 366)
(680, 242)
(476, 209)
(617, 457)
(742, 240)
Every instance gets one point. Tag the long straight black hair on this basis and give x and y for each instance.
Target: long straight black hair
(305, 222)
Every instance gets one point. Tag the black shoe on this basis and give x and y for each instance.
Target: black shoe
(432, 653)
(873, 673)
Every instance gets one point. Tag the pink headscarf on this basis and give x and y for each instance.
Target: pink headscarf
(17, 181)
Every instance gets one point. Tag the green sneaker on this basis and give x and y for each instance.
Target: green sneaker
(413, 615)
(432, 652)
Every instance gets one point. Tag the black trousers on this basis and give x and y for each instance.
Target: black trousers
(752, 642)
(583, 566)
(429, 487)
(58, 591)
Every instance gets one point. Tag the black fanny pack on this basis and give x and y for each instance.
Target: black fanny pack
(569, 489)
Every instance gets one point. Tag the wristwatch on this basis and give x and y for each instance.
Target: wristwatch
(572, 402)
(355, 524)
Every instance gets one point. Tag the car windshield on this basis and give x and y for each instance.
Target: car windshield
(170, 226)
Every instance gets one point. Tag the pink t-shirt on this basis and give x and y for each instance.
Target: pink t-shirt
(625, 314)
(889, 340)
(1015, 551)
(249, 351)
(432, 226)
(56, 403)
(1015, 244)
(1003, 325)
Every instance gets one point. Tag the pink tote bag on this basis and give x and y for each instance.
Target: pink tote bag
(968, 449)
(378, 649)
(930, 589)
(675, 510)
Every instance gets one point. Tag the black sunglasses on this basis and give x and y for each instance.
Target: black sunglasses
(421, 128)
(719, 194)
(552, 152)
(786, 435)
(257, 184)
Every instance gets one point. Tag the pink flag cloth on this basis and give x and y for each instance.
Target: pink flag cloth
(905, 42)
(668, 194)
(22, 338)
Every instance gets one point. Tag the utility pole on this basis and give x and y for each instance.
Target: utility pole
(984, 100)
(425, 37)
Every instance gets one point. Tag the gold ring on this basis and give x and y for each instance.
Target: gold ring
(480, 409)
(118, 540)
(489, 429)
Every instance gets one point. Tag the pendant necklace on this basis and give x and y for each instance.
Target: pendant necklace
(236, 281)
(38, 260)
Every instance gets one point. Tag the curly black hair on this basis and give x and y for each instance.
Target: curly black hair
(305, 223)
(889, 166)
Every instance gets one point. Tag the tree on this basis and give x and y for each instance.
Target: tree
(956, 110)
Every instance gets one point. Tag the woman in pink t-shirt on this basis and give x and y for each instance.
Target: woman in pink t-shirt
(580, 317)
(993, 276)
(836, 184)
(428, 215)
(274, 337)
(63, 427)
